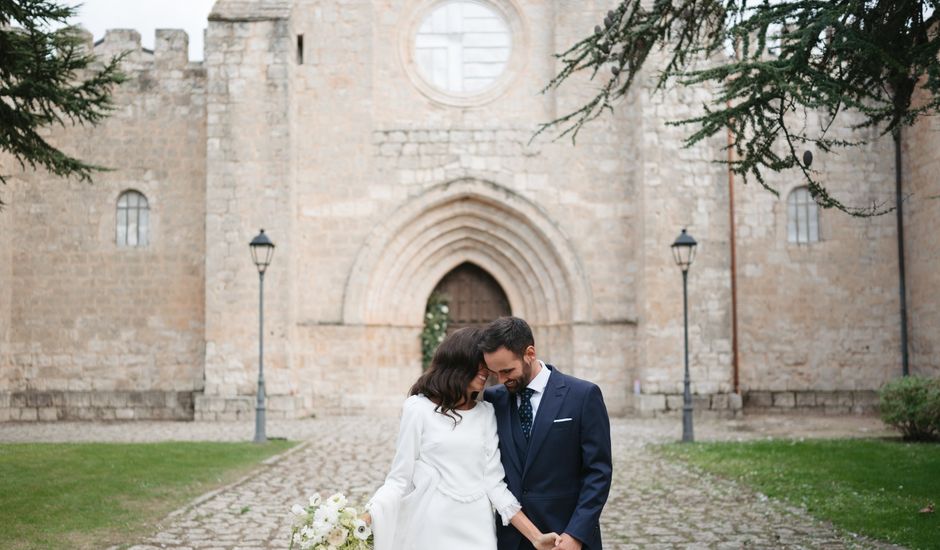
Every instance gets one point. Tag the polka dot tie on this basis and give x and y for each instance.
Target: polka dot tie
(525, 412)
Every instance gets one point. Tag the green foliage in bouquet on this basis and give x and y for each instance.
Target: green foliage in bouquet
(435, 327)
(329, 525)
(912, 405)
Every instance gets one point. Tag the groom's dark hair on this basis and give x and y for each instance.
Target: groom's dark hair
(510, 332)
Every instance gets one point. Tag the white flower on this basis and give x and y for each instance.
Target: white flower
(326, 514)
(315, 500)
(298, 510)
(445, 309)
(338, 500)
(360, 530)
(337, 536)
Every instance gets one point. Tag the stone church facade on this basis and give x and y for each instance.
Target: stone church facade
(383, 169)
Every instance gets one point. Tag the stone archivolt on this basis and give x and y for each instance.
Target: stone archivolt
(472, 221)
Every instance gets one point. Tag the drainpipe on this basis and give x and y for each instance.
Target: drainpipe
(734, 268)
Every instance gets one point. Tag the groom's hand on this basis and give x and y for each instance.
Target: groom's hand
(567, 542)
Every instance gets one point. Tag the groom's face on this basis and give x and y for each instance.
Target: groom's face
(513, 371)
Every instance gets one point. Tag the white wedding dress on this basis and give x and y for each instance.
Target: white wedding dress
(444, 483)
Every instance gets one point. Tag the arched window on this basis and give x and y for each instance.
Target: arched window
(133, 219)
(802, 217)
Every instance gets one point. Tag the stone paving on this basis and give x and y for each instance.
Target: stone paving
(654, 503)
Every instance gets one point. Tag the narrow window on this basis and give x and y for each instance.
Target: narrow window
(802, 217)
(300, 49)
(133, 220)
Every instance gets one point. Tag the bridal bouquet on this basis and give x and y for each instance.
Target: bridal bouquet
(329, 525)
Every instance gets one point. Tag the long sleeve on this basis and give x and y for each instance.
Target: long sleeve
(494, 480)
(385, 504)
(596, 466)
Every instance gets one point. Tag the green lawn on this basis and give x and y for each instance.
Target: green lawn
(872, 487)
(93, 495)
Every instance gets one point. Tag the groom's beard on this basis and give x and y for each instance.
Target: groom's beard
(520, 383)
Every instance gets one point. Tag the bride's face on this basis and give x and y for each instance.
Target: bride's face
(479, 381)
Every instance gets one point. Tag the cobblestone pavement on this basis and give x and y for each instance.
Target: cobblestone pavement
(653, 504)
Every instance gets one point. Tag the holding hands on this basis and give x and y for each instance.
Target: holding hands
(567, 542)
(546, 541)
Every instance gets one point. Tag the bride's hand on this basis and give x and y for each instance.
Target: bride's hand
(366, 518)
(546, 541)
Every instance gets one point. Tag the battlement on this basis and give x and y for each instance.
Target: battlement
(171, 49)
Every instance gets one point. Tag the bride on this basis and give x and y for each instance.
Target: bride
(446, 478)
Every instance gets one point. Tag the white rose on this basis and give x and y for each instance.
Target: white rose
(337, 536)
(326, 514)
(445, 309)
(337, 500)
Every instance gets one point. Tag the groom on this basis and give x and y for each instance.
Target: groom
(554, 440)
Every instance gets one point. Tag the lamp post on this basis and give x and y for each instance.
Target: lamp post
(262, 249)
(683, 250)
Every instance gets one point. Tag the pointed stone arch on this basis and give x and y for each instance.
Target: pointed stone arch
(474, 221)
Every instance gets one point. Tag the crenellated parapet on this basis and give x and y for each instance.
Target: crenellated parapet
(168, 59)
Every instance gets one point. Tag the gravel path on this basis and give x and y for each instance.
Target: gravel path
(653, 504)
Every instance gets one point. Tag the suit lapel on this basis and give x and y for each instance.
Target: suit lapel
(554, 396)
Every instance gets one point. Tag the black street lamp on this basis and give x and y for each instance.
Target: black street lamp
(262, 249)
(683, 250)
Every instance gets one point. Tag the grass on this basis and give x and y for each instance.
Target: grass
(100, 494)
(871, 487)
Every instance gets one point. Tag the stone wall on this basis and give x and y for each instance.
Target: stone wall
(86, 320)
(373, 187)
(921, 190)
(249, 183)
(392, 189)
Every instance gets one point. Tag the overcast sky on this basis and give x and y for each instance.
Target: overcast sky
(146, 16)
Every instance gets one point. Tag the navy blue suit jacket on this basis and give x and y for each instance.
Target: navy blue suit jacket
(562, 474)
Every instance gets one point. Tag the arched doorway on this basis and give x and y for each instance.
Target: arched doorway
(473, 296)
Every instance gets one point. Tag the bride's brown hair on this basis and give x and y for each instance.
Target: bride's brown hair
(455, 363)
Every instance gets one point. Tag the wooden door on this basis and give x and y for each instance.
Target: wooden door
(473, 297)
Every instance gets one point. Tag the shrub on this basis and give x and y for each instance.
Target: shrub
(912, 405)
(435, 327)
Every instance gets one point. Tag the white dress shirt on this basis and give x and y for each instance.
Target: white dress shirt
(537, 384)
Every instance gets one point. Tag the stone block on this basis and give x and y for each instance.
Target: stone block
(805, 399)
(4, 400)
(720, 401)
(761, 399)
(59, 398)
(5, 414)
(834, 399)
(784, 400)
(701, 403)
(735, 401)
(865, 402)
(48, 414)
(78, 399)
(100, 399)
(38, 399)
(647, 403)
(124, 414)
(154, 398)
(18, 400)
(673, 402)
(26, 414)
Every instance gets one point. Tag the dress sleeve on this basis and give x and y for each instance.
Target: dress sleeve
(500, 497)
(385, 504)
